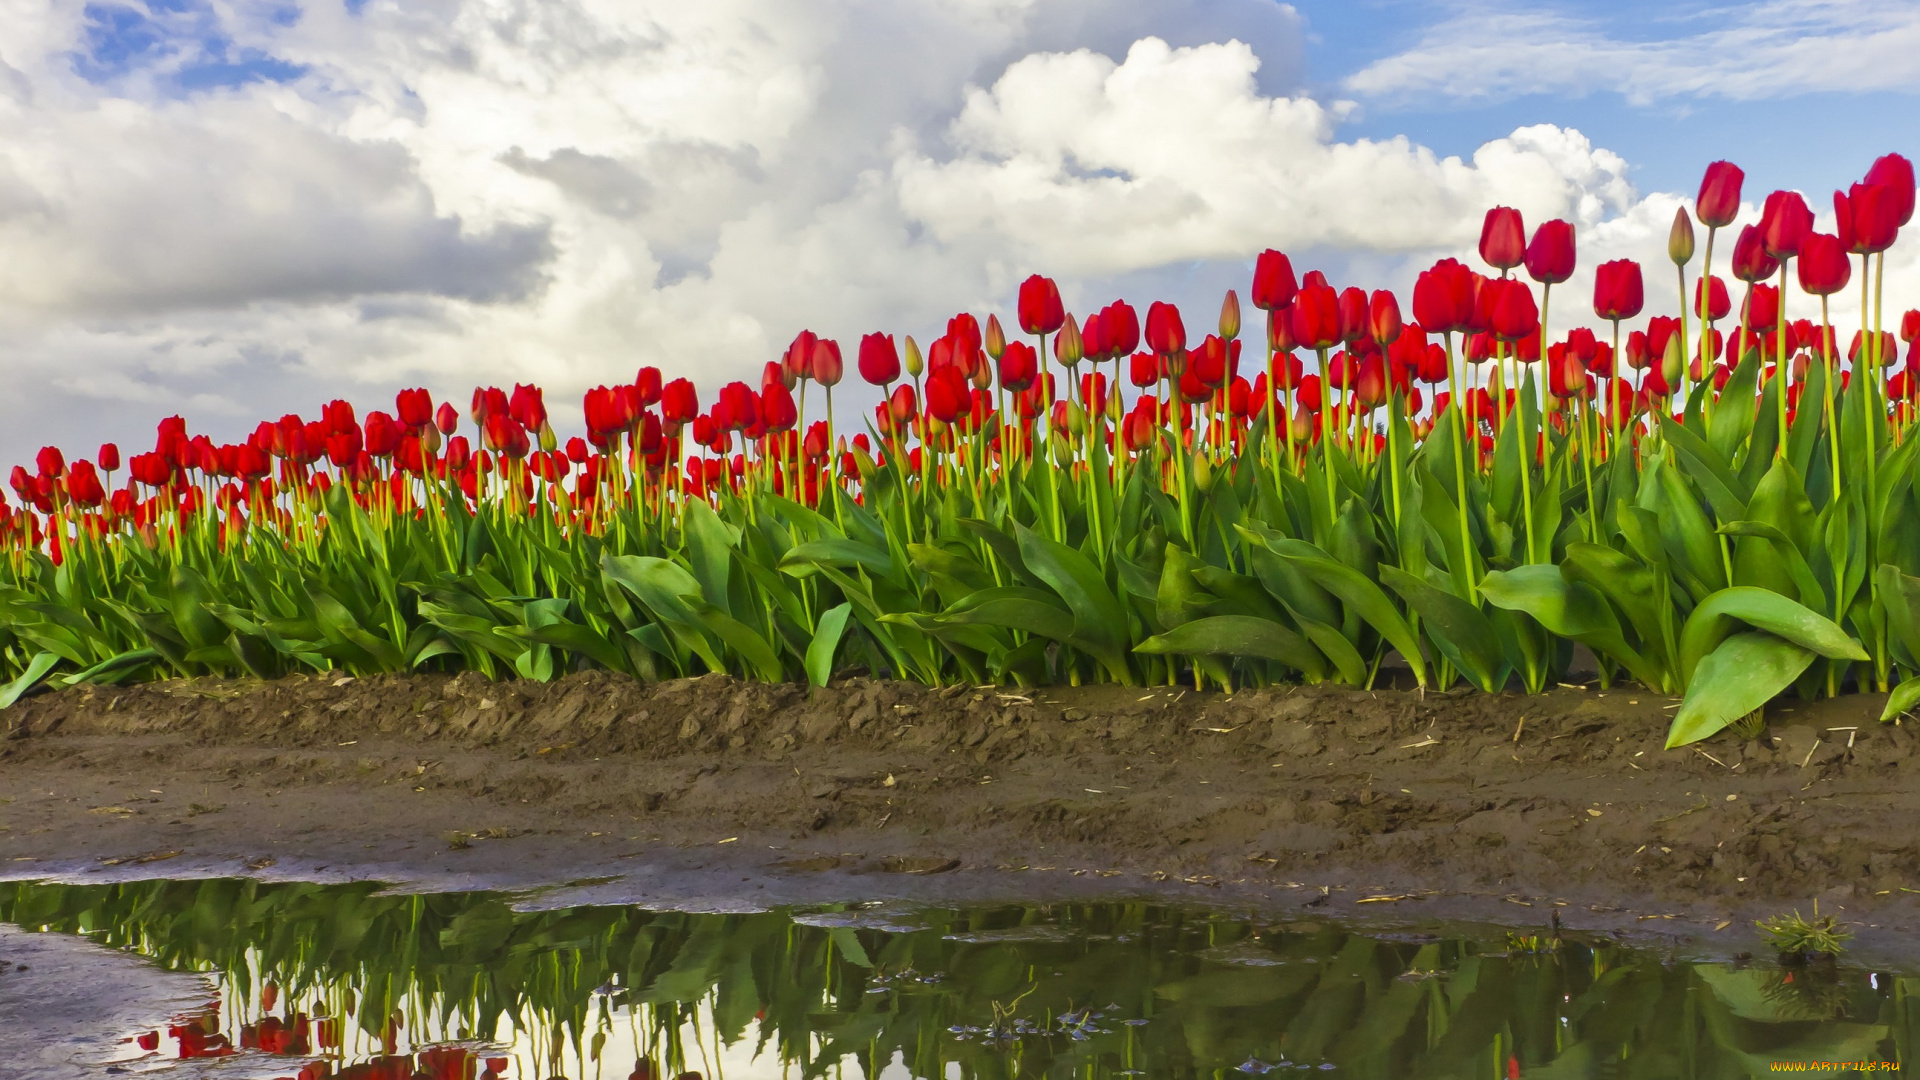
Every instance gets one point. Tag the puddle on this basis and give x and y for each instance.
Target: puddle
(344, 981)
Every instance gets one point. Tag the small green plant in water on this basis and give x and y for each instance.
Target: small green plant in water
(1798, 939)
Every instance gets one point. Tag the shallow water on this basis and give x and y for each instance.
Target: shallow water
(351, 981)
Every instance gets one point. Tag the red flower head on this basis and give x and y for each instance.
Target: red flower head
(50, 461)
(827, 367)
(1785, 223)
(1353, 314)
(947, 395)
(1443, 297)
(1209, 363)
(1824, 265)
(741, 406)
(647, 382)
(1910, 326)
(1142, 426)
(1503, 238)
(1718, 301)
(1868, 217)
(797, 362)
(382, 435)
(528, 407)
(1315, 317)
(1618, 290)
(1513, 313)
(338, 416)
(1040, 308)
(1751, 260)
(901, 404)
(1166, 334)
(814, 445)
(447, 418)
(679, 403)
(83, 485)
(1719, 200)
(1383, 317)
(1119, 330)
(879, 359)
(1019, 366)
(1143, 369)
(1895, 173)
(1273, 283)
(777, 409)
(414, 408)
(504, 436)
(1550, 255)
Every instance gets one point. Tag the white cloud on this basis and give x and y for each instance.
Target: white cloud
(1769, 49)
(1085, 165)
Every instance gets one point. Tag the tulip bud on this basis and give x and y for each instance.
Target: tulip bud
(1680, 240)
(1230, 316)
(915, 363)
(996, 338)
(1202, 472)
(1067, 346)
(548, 440)
(1674, 359)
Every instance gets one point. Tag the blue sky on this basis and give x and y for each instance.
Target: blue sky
(237, 211)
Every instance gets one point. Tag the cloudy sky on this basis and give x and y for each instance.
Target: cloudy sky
(234, 209)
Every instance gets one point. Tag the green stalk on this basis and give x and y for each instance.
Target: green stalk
(1459, 472)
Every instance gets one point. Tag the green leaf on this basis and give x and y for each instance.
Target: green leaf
(1459, 630)
(1099, 622)
(1904, 699)
(710, 544)
(1362, 596)
(1570, 609)
(37, 669)
(1718, 616)
(826, 641)
(1239, 635)
(1741, 674)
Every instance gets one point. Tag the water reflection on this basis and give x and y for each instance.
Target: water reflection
(345, 981)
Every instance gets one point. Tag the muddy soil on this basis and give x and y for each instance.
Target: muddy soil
(713, 792)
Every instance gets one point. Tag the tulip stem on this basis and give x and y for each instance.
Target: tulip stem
(1467, 576)
(1780, 357)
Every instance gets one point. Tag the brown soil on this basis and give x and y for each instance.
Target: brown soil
(717, 792)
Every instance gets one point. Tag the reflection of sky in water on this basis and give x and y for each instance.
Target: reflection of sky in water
(1080, 991)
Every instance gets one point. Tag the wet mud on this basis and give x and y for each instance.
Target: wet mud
(714, 793)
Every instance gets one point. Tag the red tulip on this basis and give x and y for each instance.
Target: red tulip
(879, 359)
(1824, 265)
(1503, 238)
(1273, 283)
(1433, 367)
(1353, 314)
(1383, 317)
(1119, 330)
(1315, 317)
(1618, 290)
(777, 410)
(504, 437)
(1751, 260)
(1514, 315)
(1762, 308)
(1166, 334)
(901, 404)
(83, 485)
(447, 418)
(413, 407)
(382, 435)
(679, 403)
(50, 461)
(1039, 306)
(1910, 326)
(152, 469)
(1019, 366)
(1209, 366)
(828, 367)
(1142, 426)
(815, 445)
(109, 457)
(1895, 173)
(528, 407)
(1785, 223)
(1443, 297)
(740, 405)
(1143, 369)
(1719, 302)
(947, 393)
(1550, 255)
(1868, 218)
(797, 362)
(1719, 200)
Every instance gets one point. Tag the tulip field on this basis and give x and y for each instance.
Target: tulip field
(1457, 492)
